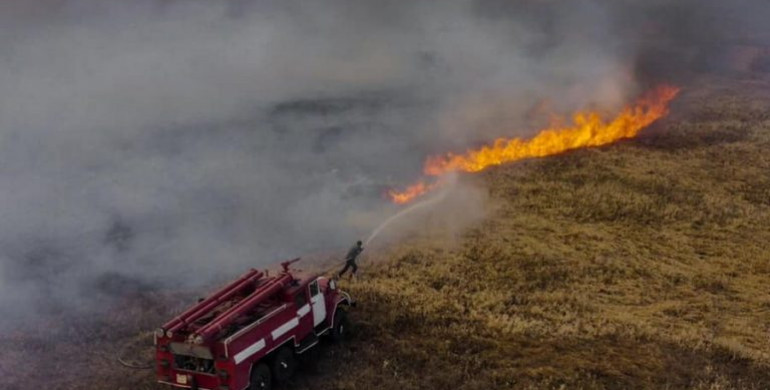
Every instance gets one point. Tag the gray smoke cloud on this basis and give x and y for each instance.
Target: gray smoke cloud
(182, 141)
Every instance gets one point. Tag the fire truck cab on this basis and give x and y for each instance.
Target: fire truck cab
(248, 334)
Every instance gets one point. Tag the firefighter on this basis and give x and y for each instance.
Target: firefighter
(350, 259)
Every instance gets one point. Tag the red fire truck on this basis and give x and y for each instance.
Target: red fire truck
(247, 335)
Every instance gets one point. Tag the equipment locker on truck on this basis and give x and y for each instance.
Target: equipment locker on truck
(247, 334)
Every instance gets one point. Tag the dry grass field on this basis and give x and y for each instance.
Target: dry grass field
(641, 265)
(645, 264)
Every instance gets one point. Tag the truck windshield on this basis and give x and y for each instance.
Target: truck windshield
(314, 288)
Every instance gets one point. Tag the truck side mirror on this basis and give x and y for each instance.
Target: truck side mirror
(332, 285)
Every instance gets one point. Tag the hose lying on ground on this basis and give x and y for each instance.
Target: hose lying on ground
(122, 352)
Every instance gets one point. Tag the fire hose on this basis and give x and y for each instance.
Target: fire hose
(120, 356)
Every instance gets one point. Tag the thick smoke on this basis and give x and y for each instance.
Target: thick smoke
(176, 142)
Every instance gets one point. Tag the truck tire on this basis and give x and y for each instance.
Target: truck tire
(308, 360)
(260, 378)
(341, 326)
(284, 364)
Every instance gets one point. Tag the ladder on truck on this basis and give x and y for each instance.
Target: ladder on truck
(201, 323)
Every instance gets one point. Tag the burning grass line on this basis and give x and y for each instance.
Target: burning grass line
(589, 129)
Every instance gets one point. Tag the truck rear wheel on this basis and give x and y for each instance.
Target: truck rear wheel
(341, 326)
(260, 378)
(284, 364)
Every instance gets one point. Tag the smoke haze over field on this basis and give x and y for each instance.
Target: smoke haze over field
(160, 140)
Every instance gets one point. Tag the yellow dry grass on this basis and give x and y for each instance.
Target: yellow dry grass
(645, 264)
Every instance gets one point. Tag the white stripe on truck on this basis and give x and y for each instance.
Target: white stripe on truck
(252, 349)
(281, 330)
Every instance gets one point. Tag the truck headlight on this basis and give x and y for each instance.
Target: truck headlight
(159, 332)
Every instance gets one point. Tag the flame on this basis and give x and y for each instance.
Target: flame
(411, 192)
(588, 129)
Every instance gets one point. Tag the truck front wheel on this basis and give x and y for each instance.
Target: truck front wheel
(284, 364)
(341, 326)
(260, 378)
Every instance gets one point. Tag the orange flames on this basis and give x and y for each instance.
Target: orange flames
(411, 192)
(588, 129)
